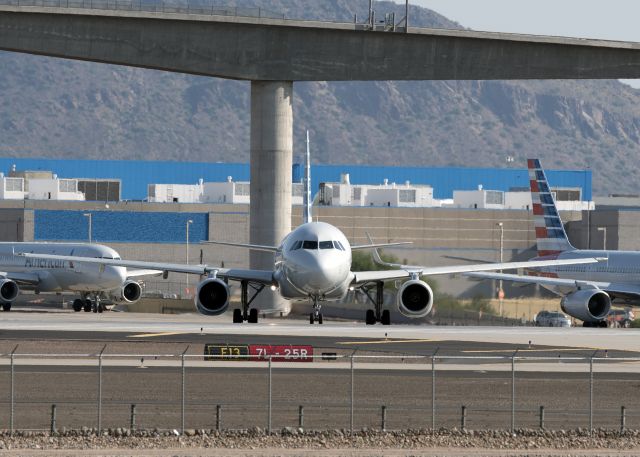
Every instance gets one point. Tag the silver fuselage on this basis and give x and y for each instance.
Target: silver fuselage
(323, 272)
(62, 275)
(621, 267)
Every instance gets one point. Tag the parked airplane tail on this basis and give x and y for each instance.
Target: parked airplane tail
(550, 234)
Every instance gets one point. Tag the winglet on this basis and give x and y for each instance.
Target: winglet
(374, 252)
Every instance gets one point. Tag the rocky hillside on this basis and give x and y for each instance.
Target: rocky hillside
(66, 109)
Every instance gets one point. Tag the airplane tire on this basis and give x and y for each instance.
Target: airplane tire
(87, 306)
(77, 305)
(320, 318)
(370, 318)
(237, 316)
(386, 317)
(6, 307)
(99, 308)
(311, 318)
(253, 316)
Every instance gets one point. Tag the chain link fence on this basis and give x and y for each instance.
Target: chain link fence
(185, 391)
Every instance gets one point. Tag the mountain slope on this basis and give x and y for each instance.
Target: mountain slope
(67, 109)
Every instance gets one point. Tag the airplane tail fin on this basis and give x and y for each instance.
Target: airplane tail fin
(551, 237)
(307, 186)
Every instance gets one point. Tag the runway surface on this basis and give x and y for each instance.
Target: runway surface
(347, 336)
(474, 370)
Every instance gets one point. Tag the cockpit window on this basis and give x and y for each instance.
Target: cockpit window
(326, 245)
(307, 244)
(338, 245)
(296, 245)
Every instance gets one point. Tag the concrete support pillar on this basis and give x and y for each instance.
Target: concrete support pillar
(271, 159)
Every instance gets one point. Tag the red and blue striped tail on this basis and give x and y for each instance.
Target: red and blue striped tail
(550, 235)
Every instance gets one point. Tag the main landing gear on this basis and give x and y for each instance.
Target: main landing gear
(316, 315)
(247, 314)
(87, 305)
(378, 314)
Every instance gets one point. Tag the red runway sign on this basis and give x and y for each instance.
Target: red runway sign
(281, 353)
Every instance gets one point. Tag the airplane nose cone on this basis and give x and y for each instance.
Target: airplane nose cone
(322, 274)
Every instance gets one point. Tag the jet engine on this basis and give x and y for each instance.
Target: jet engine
(8, 291)
(130, 292)
(212, 297)
(415, 298)
(588, 305)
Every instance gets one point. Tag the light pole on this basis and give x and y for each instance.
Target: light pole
(89, 216)
(604, 234)
(500, 291)
(189, 222)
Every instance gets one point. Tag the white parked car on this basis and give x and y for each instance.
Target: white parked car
(552, 319)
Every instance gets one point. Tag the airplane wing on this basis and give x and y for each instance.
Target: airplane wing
(379, 245)
(259, 276)
(387, 275)
(542, 280)
(133, 273)
(253, 247)
(624, 291)
(21, 278)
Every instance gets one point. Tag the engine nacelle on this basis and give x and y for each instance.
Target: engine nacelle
(9, 291)
(131, 291)
(212, 297)
(415, 299)
(588, 305)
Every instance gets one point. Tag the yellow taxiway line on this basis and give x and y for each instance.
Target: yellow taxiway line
(148, 335)
(389, 341)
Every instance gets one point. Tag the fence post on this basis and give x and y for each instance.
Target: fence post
(12, 392)
(269, 400)
(218, 417)
(301, 416)
(513, 391)
(541, 417)
(351, 399)
(53, 419)
(591, 393)
(183, 399)
(433, 390)
(623, 418)
(100, 389)
(463, 418)
(132, 421)
(384, 419)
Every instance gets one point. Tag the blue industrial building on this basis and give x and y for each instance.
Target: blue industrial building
(136, 175)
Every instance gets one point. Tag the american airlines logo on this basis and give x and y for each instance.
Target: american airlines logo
(46, 263)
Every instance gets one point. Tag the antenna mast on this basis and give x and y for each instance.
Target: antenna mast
(307, 185)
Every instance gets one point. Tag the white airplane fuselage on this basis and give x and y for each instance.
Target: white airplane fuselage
(62, 275)
(621, 267)
(314, 260)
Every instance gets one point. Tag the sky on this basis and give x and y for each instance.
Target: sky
(610, 19)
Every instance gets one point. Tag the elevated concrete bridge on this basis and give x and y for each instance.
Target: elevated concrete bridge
(272, 53)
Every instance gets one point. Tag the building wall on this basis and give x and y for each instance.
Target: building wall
(136, 175)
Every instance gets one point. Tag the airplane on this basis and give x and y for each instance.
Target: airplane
(587, 291)
(93, 283)
(313, 262)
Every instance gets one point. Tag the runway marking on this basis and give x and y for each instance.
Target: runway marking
(147, 335)
(530, 350)
(389, 341)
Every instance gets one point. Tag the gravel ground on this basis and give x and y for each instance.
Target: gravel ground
(291, 441)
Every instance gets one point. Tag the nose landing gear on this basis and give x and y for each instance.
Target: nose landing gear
(316, 315)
